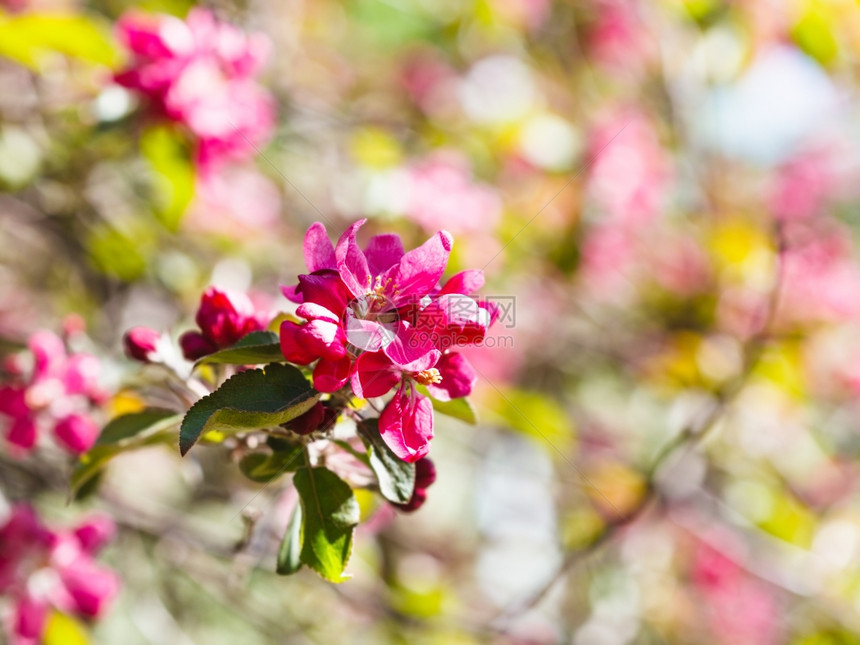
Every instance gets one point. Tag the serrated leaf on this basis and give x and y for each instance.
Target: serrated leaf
(263, 467)
(290, 553)
(254, 349)
(130, 425)
(330, 513)
(250, 400)
(396, 477)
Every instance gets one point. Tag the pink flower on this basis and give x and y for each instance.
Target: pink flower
(60, 389)
(224, 317)
(62, 561)
(440, 191)
(200, 73)
(380, 319)
(406, 423)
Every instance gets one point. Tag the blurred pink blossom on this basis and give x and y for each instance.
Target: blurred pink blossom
(618, 39)
(740, 609)
(630, 175)
(60, 390)
(820, 279)
(234, 200)
(200, 73)
(441, 192)
(42, 569)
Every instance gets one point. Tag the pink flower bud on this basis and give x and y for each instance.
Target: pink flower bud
(76, 432)
(140, 343)
(95, 532)
(195, 346)
(318, 417)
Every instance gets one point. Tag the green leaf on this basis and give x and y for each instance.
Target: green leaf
(131, 425)
(170, 158)
(249, 400)
(396, 477)
(290, 553)
(254, 349)
(330, 513)
(30, 38)
(458, 408)
(262, 467)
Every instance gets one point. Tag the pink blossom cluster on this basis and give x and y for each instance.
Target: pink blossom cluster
(200, 73)
(41, 569)
(378, 319)
(57, 390)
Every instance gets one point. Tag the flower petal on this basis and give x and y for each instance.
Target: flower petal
(318, 249)
(373, 375)
(418, 272)
(466, 282)
(458, 378)
(412, 350)
(313, 311)
(330, 376)
(406, 425)
(323, 338)
(383, 252)
(292, 347)
(326, 289)
(352, 263)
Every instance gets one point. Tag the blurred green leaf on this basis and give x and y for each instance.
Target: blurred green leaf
(249, 400)
(533, 414)
(254, 349)
(263, 467)
(289, 555)
(390, 25)
(168, 154)
(457, 408)
(118, 254)
(30, 37)
(330, 513)
(92, 462)
(136, 423)
(396, 477)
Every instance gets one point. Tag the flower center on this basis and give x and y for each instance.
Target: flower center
(428, 377)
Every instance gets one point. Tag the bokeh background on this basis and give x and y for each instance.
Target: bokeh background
(664, 195)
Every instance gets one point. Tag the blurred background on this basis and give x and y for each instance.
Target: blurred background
(664, 199)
